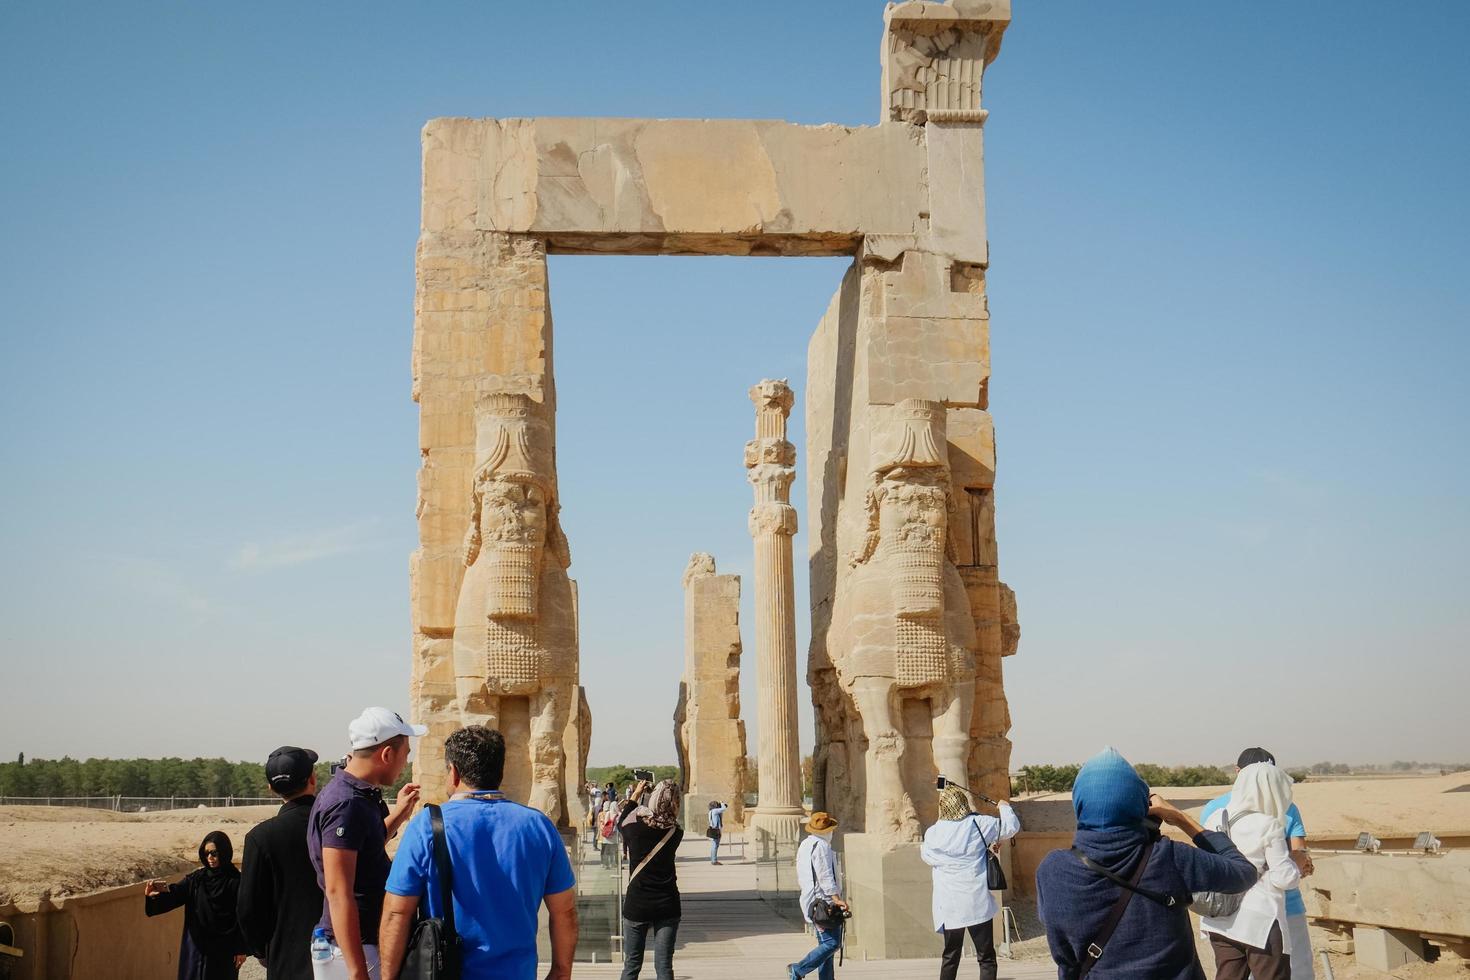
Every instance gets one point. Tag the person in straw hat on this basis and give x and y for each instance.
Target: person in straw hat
(816, 873)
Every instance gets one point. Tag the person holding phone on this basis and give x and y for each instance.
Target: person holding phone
(957, 849)
(651, 905)
(1118, 835)
(211, 947)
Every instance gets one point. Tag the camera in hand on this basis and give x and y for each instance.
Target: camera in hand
(646, 775)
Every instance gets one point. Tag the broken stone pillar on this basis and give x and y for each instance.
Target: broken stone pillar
(711, 734)
(771, 464)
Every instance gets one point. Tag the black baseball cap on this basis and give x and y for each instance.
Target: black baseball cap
(1251, 756)
(288, 768)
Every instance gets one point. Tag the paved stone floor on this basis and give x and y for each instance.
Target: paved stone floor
(728, 933)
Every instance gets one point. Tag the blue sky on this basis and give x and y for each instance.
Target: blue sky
(1229, 311)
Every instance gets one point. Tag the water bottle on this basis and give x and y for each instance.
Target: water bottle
(321, 954)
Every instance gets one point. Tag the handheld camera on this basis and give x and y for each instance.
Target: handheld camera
(646, 775)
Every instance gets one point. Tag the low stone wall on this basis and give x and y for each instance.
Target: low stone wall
(1027, 850)
(100, 934)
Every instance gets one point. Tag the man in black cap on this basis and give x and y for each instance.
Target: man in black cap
(280, 900)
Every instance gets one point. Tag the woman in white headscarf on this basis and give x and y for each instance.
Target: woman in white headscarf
(1252, 941)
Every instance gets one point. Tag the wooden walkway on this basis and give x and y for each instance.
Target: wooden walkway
(728, 933)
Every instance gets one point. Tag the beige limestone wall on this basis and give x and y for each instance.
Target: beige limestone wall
(482, 331)
(916, 327)
(711, 733)
(100, 934)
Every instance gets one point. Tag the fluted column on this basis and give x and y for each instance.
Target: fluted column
(771, 464)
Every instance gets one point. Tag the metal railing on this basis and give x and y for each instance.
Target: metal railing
(138, 804)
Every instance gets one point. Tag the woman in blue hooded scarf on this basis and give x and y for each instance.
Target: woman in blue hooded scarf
(1117, 829)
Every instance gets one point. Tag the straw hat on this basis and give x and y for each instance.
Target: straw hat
(820, 823)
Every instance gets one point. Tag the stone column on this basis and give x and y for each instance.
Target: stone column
(771, 462)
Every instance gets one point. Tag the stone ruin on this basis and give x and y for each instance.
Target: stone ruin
(910, 621)
(708, 732)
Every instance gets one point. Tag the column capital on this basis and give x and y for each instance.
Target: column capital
(772, 517)
(769, 452)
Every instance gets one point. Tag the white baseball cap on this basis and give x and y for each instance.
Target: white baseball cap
(376, 725)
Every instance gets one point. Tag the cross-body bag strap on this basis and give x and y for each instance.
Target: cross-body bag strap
(1168, 901)
(1095, 949)
(981, 827)
(446, 870)
(650, 855)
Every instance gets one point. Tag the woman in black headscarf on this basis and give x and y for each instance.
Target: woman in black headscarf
(212, 947)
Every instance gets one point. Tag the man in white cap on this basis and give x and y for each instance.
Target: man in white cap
(347, 836)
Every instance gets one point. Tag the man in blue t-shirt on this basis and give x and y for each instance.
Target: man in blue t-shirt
(1296, 839)
(506, 860)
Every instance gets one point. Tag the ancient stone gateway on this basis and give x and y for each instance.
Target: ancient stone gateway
(909, 618)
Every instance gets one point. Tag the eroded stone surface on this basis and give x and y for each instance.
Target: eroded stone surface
(901, 444)
(494, 610)
(909, 619)
(711, 735)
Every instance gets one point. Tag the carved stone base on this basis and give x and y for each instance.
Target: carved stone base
(890, 892)
(776, 827)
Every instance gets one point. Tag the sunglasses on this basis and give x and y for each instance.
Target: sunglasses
(211, 853)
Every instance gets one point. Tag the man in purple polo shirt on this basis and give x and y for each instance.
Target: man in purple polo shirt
(347, 836)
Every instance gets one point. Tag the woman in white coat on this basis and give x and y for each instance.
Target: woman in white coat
(955, 848)
(1252, 941)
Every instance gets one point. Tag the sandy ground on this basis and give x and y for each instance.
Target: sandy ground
(69, 850)
(1333, 807)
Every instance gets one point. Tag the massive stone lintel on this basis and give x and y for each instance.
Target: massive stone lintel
(706, 186)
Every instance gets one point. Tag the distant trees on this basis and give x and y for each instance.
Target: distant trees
(136, 777)
(1059, 779)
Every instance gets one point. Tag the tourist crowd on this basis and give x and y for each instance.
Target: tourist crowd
(319, 897)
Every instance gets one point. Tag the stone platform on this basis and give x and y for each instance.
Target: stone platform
(728, 931)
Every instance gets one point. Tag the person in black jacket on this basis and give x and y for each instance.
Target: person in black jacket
(280, 901)
(1116, 825)
(211, 947)
(651, 834)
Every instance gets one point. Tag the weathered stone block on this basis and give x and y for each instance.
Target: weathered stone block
(1386, 949)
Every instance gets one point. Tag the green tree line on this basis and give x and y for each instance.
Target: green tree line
(1059, 779)
(137, 777)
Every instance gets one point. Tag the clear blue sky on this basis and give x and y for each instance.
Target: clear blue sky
(1229, 301)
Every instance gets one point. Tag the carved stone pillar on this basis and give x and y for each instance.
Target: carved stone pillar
(771, 462)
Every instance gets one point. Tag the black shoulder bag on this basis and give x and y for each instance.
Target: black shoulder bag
(825, 913)
(995, 875)
(433, 949)
(1095, 949)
